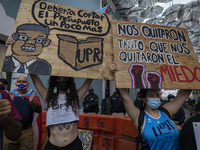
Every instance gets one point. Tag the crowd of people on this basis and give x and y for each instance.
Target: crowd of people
(156, 122)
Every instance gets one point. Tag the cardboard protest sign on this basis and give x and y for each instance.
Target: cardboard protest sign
(86, 138)
(53, 39)
(153, 56)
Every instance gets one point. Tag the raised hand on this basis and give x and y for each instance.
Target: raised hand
(32, 97)
(10, 41)
(114, 67)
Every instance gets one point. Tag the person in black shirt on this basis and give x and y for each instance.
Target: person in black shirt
(117, 105)
(90, 102)
(189, 135)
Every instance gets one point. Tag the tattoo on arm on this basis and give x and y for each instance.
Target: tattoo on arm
(64, 126)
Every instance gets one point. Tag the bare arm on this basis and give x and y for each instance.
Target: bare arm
(42, 90)
(132, 111)
(83, 89)
(177, 102)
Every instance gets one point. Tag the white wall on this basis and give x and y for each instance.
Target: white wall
(6, 24)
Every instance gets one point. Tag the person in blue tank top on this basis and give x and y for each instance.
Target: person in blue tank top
(158, 132)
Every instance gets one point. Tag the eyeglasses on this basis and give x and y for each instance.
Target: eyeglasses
(23, 81)
(25, 38)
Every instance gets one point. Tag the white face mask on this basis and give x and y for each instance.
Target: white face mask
(153, 103)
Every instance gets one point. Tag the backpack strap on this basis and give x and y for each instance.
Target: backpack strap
(165, 111)
(140, 122)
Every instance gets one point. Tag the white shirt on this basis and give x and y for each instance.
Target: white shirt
(60, 113)
(18, 64)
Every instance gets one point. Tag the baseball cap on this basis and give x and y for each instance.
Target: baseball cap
(170, 96)
(90, 89)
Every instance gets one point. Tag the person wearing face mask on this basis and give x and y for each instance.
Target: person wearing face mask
(29, 106)
(116, 102)
(158, 131)
(3, 84)
(62, 101)
(90, 102)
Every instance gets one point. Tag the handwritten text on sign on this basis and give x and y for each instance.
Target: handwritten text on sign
(86, 138)
(155, 55)
(54, 39)
(58, 17)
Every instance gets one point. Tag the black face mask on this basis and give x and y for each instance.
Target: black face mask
(118, 92)
(62, 85)
(2, 87)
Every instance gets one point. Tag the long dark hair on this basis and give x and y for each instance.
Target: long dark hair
(71, 94)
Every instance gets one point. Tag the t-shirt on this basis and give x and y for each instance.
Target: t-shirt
(14, 111)
(159, 133)
(187, 138)
(60, 113)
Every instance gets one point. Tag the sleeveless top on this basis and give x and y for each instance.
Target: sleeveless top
(160, 133)
(60, 113)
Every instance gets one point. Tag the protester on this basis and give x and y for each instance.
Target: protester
(62, 102)
(26, 103)
(90, 102)
(189, 135)
(117, 105)
(158, 131)
(62, 109)
(3, 84)
(9, 118)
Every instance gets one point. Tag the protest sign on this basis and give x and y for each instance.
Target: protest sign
(154, 56)
(86, 138)
(54, 39)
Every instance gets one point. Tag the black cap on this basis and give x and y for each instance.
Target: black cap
(90, 89)
(170, 96)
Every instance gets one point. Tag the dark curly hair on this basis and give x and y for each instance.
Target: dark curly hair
(71, 94)
(143, 92)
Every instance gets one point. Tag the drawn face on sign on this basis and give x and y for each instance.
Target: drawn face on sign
(30, 40)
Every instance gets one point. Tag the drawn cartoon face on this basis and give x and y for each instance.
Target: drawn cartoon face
(29, 43)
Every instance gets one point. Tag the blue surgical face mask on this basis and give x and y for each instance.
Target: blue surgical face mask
(90, 93)
(153, 103)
